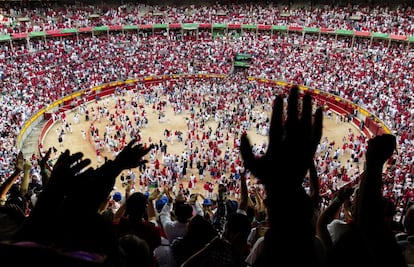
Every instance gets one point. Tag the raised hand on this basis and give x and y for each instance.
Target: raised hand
(132, 155)
(8, 183)
(369, 210)
(66, 174)
(380, 149)
(60, 185)
(292, 144)
(43, 160)
(20, 161)
(96, 185)
(44, 167)
(75, 188)
(345, 192)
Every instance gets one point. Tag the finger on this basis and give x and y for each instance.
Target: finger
(246, 151)
(79, 166)
(62, 157)
(146, 151)
(317, 129)
(49, 151)
(75, 157)
(292, 113)
(142, 162)
(276, 125)
(69, 164)
(44, 159)
(142, 152)
(312, 171)
(131, 143)
(306, 118)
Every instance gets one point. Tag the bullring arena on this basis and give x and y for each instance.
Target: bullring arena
(176, 66)
(80, 136)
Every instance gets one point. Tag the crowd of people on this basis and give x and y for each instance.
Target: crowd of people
(214, 115)
(384, 19)
(164, 228)
(374, 75)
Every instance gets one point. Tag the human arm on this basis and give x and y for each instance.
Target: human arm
(292, 145)
(369, 212)
(45, 169)
(379, 245)
(220, 214)
(195, 204)
(314, 185)
(330, 213)
(259, 207)
(151, 213)
(6, 185)
(41, 225)
(244, 193)
(165, 214)
(26, 177)
(120, 212)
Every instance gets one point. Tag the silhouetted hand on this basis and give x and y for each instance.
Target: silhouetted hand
(370, 241)
(71, 183)
(91, 187)
(66, 173)
(345, 192)
(43, 160)
(66, 213)
(380, 149)
(132, 155)
(292, 144)
(369, 210)
(45, 169)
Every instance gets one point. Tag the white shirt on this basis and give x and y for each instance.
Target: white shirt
(172, 229)
(163, 254)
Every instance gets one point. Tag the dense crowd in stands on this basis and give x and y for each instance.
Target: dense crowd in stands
(384, 19)
(374, 75)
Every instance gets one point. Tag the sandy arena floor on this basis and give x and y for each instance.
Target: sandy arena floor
(74, 141)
